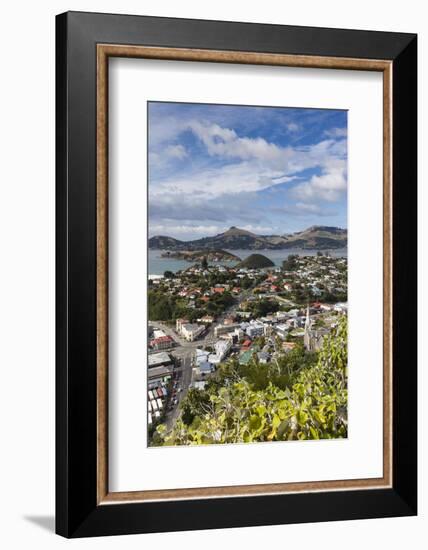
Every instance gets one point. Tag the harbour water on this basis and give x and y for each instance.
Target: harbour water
(158, 265)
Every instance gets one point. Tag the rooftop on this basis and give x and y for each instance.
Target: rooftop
(156, 359)
(160, 340)
(191, 327)
(159, 372)
(205, 367)
(245, 357)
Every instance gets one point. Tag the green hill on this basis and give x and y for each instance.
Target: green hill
(199, 255)
(161, 242)
(255, 261)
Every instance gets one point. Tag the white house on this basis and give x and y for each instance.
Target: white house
(222, 348)
(255, 329)
(282, 330)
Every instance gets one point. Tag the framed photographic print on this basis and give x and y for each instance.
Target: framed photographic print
(236, 274)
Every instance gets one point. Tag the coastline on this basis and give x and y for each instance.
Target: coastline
(157, 265)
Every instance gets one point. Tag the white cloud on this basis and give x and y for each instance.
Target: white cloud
(261, 165)
(243, 177)
(176, 151)
(329, 186)
(336, 132)
(283, 179)
(161, 132)
(259, 229)
(193, 231)
(223, 187)
(293, 127)
(170, 229)
(224, 142)
(308, 207)
(154, 159)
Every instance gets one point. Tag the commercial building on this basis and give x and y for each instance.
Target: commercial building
(255, 329)
(224, 329)
(160, 374)
(282, 330)
(158, 359)
(207, 319)
(222, 348)
(204, 369)
(158, 333)
(163, 342)
(201, 356)
(191, 331)
(179, 323)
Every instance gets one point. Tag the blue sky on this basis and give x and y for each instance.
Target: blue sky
(266, 169)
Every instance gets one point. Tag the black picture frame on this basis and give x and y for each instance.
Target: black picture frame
(77, 511)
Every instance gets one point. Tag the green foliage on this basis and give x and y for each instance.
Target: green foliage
(164, 307)
(332, 297)
(255, 261)
(216, 277)
(246, 283)
(161, 306)
(290, 264)
(168, 307)
(262, 307)
(309, 403)
(219, 303)
(319, 323)
(195, 401)
(302, 295)
(260, 341)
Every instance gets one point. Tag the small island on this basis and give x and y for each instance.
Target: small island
(255, 261)
(200, 255)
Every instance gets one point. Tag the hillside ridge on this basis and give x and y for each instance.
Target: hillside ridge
(319, 237)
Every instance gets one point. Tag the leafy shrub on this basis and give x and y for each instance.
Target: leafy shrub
(312, 406)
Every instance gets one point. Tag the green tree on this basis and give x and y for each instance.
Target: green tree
(195, 403)
(161, 307)
(246, 283)
(262, 307)
(290, 264)
(312, 406)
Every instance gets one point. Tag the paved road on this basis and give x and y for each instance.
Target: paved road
(185, 381)
(185, 350)
(181, 343)
(168, 331)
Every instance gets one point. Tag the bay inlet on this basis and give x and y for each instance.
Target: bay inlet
(157, 265)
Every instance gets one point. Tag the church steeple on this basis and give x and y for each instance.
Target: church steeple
(307, 335)
(308, 319)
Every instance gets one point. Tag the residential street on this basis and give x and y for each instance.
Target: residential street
(184, 352)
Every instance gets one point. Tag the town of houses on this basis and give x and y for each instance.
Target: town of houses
(249, 314)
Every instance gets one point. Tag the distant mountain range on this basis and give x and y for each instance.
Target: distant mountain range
(317, 237)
